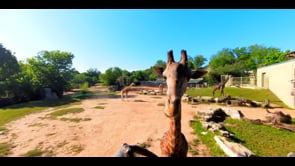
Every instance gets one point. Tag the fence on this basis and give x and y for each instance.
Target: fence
(240, 81)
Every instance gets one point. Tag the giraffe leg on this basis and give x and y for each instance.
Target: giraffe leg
(214, 92)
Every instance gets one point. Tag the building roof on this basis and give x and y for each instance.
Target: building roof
(195, 81)
(290, 54)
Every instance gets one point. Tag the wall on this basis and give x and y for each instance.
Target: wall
(278, 78)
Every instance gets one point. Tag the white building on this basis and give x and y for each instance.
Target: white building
(280, 79)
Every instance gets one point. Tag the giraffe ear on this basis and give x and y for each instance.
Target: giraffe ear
(159, 70)
(198, 73)
(183, 58)
(170, 58)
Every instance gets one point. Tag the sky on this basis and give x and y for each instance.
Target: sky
(135, 39)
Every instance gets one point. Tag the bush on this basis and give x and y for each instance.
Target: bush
(84, 88)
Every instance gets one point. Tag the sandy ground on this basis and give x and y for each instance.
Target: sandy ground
(140, 120)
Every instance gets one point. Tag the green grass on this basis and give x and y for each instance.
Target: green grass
(13, 112)
(207, 139)
(4, 149)
(99, 107)
(264, 141)
(33, 153)
(192, 147)
(157, 97)
(76, 120)
(3, 129)
(252, 94)
(66, 111)
(161, 104)
(77, 148)
(7, 115)
(139, 101)
(84, 95)
(16, 111)
(62, 144)
(102, 103)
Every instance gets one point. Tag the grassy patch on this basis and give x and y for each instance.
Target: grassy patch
(37, 125)
(252, 94)
(207, 139)
(66, 111)
(33, 153)
(77, 148)
(50, 134)
(146, 144)
(265, 141)
(161, 104)
(99, 107)
(5, 149)
(16, 111)
(77, 120)
(10, 114)
(61, 144)
(156, 97)
(113, 93)
(102, 103)
(192, 147)
(139, 101)
(3, 130)
(84, 95)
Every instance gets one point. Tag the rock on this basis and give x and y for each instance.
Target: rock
(233, 149)
(233, 113)
(291, 154)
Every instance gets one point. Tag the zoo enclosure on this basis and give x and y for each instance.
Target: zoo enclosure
(249, 82)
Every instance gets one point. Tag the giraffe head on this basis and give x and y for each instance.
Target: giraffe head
(176, 74)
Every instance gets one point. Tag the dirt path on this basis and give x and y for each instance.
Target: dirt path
(140, 120)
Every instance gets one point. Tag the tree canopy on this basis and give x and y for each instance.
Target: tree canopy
(9, 68)
(53, 69)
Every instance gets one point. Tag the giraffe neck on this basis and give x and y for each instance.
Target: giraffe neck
(175, 124)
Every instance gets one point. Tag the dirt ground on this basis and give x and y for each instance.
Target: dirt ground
(140, 120)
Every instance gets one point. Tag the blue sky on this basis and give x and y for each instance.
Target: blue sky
(134, 39)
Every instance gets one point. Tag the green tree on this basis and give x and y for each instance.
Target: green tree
(190, 62)
(53, 69)
(27, 83)
(9, 68)
(111, 75)
(151, 74)
(273, 55)
(161, 63)
(199, 61)
(78, 80)
(92, 76)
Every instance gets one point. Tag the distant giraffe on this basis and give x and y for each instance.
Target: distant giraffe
(220, 86)
(124, 91)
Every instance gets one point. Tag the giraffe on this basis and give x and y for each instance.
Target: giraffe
(124, 91)
(176, 74)
(220, 86)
